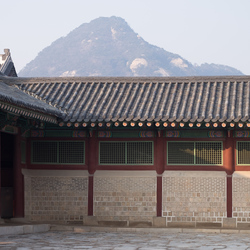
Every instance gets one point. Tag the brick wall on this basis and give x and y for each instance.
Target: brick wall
(241, 196)
(194, 196)
(55, 195)
(125, 195)
(188, 196)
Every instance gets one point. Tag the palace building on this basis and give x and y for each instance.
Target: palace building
(125, 151)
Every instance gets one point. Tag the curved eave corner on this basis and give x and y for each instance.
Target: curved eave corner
(10, 108)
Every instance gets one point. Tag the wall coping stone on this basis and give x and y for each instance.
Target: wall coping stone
(55, 173)
(241, 174)
(194, 174)
(114, 173)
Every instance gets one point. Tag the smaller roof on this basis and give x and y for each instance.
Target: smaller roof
(7, 67)
(13, 96)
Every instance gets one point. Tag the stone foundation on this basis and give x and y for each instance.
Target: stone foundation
(55, 195)
(191, 197)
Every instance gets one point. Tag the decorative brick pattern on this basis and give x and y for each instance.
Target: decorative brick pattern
(124, 198)
(194, 197)
(56, 198)
(241, 197)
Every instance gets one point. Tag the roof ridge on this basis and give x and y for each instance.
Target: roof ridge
(25, 80)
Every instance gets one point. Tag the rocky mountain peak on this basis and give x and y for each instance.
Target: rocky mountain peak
(107, 46)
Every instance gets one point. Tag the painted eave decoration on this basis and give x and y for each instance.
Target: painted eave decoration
(174, 102)
(26, 113)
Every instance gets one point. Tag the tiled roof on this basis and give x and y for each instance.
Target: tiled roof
(7, 67)
(14, 96)
(194, 99)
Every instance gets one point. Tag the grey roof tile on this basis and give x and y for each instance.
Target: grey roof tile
(98, 99)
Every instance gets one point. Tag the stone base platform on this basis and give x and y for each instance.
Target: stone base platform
(8, 229)
(161, 222)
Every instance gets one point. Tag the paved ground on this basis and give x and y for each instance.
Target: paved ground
(125, 240)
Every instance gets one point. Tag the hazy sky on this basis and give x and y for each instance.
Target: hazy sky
(212, 31)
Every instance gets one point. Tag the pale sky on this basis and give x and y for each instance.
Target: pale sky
(212, 31)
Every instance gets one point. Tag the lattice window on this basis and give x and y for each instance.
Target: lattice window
(243, 153)
(112, 153)
(54, 152)
(44, 152)
(71, 152)
(194, 153)
(208, 153)
(126, 153)
(139, 153)
(180, 153)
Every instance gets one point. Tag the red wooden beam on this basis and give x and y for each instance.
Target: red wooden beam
(92, 157)
(159, 196)
(229, 196)
(91, 196)
(28, 153)
(18, 179)
(159, 153)
(229, 163)
(229, 154)
(0, 176)
(159, 156)
(92, 162)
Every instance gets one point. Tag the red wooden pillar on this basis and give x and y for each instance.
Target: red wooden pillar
(92, 163)
(28, 153)
(159, 197)
(159, 158)
(91, 196)
(18, 179)
(229, 163)
(229, 196)
(0, 176)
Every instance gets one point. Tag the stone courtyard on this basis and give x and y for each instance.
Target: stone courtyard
(125, 240)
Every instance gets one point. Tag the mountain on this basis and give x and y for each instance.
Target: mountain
(107, 46)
